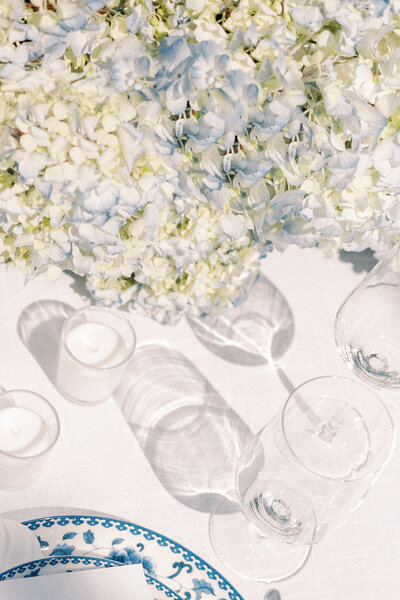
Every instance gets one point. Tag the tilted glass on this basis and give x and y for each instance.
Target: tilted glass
(367, 325)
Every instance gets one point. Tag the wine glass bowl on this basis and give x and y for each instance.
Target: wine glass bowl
(303, 474)
(367, 325)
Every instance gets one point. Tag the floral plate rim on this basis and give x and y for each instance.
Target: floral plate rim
(54, 560)
(149, 534)
(35, 565)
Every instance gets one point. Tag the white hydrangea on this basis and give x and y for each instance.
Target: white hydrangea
(161, 148)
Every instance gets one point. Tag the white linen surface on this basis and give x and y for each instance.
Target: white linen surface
(99, 465)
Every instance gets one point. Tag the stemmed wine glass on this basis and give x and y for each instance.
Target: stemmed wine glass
(302, 474)
(367, 325)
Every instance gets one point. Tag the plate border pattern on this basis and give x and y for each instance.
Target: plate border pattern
(56, 560)
(148, 534)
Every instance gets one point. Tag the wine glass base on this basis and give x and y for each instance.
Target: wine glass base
(249, 554)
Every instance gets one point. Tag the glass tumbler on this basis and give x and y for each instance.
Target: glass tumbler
(367, 325)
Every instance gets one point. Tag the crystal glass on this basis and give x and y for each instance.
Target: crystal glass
(29, 428)
(367, 325)
(304, 473)
(96, 344)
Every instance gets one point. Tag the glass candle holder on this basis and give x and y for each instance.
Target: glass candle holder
(29, 428)
(96, 344)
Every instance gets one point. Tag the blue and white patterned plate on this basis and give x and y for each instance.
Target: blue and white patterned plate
(56, 564)
(64, 564)
(173, 570)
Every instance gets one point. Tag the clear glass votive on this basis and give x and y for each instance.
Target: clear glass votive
(96, 344)
(29, 428)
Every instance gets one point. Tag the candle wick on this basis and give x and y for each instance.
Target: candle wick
(93, 348)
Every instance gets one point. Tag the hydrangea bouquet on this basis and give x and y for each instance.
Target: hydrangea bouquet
(160, 148)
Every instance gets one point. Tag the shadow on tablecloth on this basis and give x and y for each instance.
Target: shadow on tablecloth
(362, 261)
(257, 331)
(191, 437)
(39, 327)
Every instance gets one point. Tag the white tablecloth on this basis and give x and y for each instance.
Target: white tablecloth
(99, 465)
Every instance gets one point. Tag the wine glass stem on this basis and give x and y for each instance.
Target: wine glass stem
(325, 430)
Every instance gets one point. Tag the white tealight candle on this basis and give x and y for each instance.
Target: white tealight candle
(29, 428)
(96, 345)
(22, 432)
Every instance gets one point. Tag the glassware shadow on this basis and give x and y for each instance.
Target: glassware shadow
(191, 437)
(255, 332)
(39, 328)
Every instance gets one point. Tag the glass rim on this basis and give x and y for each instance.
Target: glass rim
(370, 473)
(56, 418)
(106, 311)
